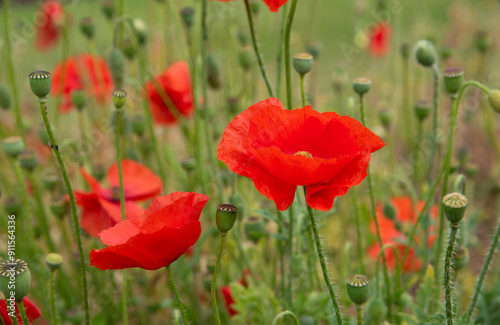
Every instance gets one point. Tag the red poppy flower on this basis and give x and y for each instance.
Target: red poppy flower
(281, 149)
(175, 82)
(228, 300)
(273, 5)
(393, 232)
(48, 30)
(101, 207)
(32, 312)
(82, 72)
(169, 226)
(380, 39)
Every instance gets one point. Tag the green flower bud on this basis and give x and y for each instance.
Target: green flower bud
(59, 206)
(425, 53)
(28, 159)
(314, 48)
(303, 63)
(243, 38)
(119, 97)
(87, 27)
(454, 205)
(358, 288)
(53, 261)
(446, 53)
(79, 98)
(376, 311)
(482, 41)
(188, 16)
(453, 79)
(40, 83)
(246, 58)
(255, 7)
(461, 257)
(13, 146)
(117, 66)
(138, 124)
(15, 272)
(361, 85)
(108, 9)
(405, 51)
(422, 109)
(12, 206)
(494, 100)
(254, 228)
(225, 217)
(140, 30)
(128, 48)
(189, 164)
(389, 211)
(385, 118)
(5, 97)
(297, 265)
(50, 178)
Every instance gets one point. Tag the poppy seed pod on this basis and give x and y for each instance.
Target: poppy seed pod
(453, 79)
(225, 217)
(482, 41)
(245, 56)
(28, 160)
(13, 146)
(494, 100)
(422, 109)
(188, 16)
(425, 53)
(454, 205)
(128, 48)
(140, 30)
(358, 288)
(314, 48)
(79, 98)
(303, 63)
(117, 66)
(108, 9)
(59, 206)
(254, 228)
(119, 98)
(40, 83)
(5, 97)
(87, 27)
(385, 117)
(53, 261)
(15, 277)
(361, 85)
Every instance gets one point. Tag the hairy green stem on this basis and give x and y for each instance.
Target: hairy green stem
(288, 71)
(303, 91)
(177, 295)
(42, 213)
(22, 311)
(359, 312)
(55, 320)
(448, 273)
(435, 74)
(361, 254)
(214, 279)
(283, 314)
(280, 52)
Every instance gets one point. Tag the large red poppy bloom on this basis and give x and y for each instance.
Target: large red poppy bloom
(273, 5)
(48, 29)
(32, 312)
(393, 232)
(101, 207)
(380, 39)
(82, 72)
(281, 149)
(169, 226)
(174, 82)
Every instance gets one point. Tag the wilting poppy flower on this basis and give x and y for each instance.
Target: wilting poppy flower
(273, 5)
(48, 29)
(32, 312)
(281, 149)
(101, 207)
(168, 227)
(82, 72)
(393, 232)
(175, 82)
(380, 39)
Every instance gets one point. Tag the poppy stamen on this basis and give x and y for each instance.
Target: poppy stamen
(303, 153)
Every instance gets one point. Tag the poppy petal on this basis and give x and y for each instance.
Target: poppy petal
(140, 183)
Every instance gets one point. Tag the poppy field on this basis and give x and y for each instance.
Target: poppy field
(249, 162)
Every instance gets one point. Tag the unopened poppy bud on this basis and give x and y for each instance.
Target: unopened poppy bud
(297, 266)
(453, 79)
(361, 85)
(471, 170)
(422, 109)
(446, 53)
(213, 75)
(188, 16)
(494, 100)
(308, 320)
(138, 124)
(461, 257)
(79, 98)
(117, 66)
(87, 27)
(108, 9)
(255, 7)
(254, 228)
(140, 30)
(15, 277)
(314, 48)
(405, 50)
(189, 164)
(225, 217)
(425, 53)
(28, 160)
(385, 118)
(482, 41)
(303, 63)
(12, 206)
(5, 97)
(40, 83)
(59, 206)
(50, 179)
(53, 261)
(454, 205)
(128, 48)
(246, 58)
(13, 146)
(243, 37)
(389, 211)
(119, 98)
(358, 288)
(376, 311)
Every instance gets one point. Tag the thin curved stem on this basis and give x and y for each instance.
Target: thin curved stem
(216, 274)
(448, 287)
(22, 311)
(435, 75)
(290, 253)
(283, 314)
(288, 71)
(177, 295)
(256, 48)
(280, 52)
(460, 180)
(361, 252)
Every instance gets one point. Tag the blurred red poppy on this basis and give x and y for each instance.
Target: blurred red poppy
(281, 149)
(273, 5)
(82, 72)
(380, 39)
(174, 84)
(228, 300)
(32, 312)
(101, 207)
(168, 227)
(393, 232)
(48, 28)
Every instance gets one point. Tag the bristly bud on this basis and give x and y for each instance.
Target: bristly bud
(482, 41)
(303, 63)
(422, 109)
(188, 16)
(53, 261)
(5, 97)
(454, 205)
(225, 217)
(314, 48)
(358, 288)
(119, 98)
(425, 53)
(140, 30)
(361, 85)
(461, 257)
(87, 27)
(138, 124)
(15, 277)
(405, 51)
(59, 206)
(108, 9)
(13, 146)
(385, 117)
(213, 75)
(254, 228)
(453, 79)
(246, 58)
(494, 100)
(40, 83)
(79, 98)
(117, 66)
(28, 160)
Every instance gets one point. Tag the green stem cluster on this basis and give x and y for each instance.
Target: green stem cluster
(180, 305)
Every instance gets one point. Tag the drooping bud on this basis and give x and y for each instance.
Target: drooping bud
(471, 170)
(87, 27)
(254, 228)
(53, 261)
(425, 53)
(119, 98)
(108, 9)
(453, 79)
(28, 159)
(128, 48)
(255, 7)
(225, 217)
(5, 97)
(422, 109)
(188, 16)
(79, 98)
(303, 63)
(189, 164)
(361, 85)
(482, 41)
(140, 30)
(40, 83)
(13, 146)
(117, 66)
(15, 277)
(494, 100)
(454, 205)
(358, 288)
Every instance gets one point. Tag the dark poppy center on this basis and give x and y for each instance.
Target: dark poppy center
(303, 153)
